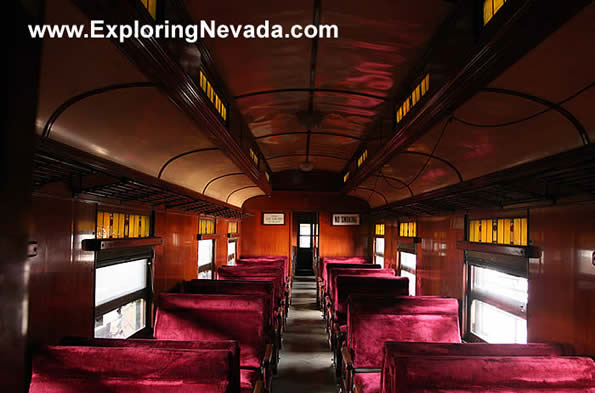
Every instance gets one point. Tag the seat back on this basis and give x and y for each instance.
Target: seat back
(236, 287)
(259, 273)
(369, 284)
(60, 369)
(322, 273)
(284, 259)
(372, 320)
(332, 266)
(190, 317)
(231, 346)
(394, 350)
(534, 374)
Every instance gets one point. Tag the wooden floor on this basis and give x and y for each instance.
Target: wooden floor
(306, 362)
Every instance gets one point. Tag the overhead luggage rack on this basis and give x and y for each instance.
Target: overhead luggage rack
(91, 176)
(566, 175)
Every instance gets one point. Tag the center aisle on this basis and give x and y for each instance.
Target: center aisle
(306, 362)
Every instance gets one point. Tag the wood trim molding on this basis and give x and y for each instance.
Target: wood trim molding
(516, 251)
(157, 62)
(500, 44)
(108, 244)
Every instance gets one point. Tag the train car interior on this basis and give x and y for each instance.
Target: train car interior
(328, 196)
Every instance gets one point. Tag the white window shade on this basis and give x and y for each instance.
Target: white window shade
(115, 281)
(205, 252)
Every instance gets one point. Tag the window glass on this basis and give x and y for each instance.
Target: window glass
(411, 277)
(305, 229)
(497, 326)
(408, 261)
(231, 253)
(115, 281)
(305, 242)
(497, 312)
(496, 284)
(379, 251)
(122, 322)
(205, 252)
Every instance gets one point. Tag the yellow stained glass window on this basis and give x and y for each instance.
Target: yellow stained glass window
(208, 89)
(151, 6)
(408, 229)
(267, 176)
(414, 97)
(490, 7)
(346, 177)
(510, 231)
(254, 156)
(114, 225)
(232, 227)
(362, 158)
(379, 230)
(206, 226)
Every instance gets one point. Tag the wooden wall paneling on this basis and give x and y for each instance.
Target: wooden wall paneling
(439, 262)
(562, 282)
(16, 151)
(258, 239)
(177, 258)
(61, 295)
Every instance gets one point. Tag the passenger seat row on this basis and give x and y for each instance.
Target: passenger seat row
(385, 341)
(209, 336)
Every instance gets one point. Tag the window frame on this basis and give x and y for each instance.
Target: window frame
(207, 267)
(235, 254)
(376, 253)
(511, 265)
(105, 258)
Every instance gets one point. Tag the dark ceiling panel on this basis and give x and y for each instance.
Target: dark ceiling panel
(283, 144)
(378, 42)
(345, 113)
(327, 164)
(274, 113)
(333, 146)
(249, 65)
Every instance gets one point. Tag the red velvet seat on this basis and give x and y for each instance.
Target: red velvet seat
(235, 287)
(345, 265)
(217, 317)
(285, 260)
(394, 350)
(325, 260)
(372, 320)
(243, 287)
(231, 346)
(130, 370)
(256, 273)
(334, 270)
(457, 374)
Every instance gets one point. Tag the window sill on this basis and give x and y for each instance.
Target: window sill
(517, 251)
(108, 244)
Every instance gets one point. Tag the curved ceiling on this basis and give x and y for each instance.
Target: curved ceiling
(137, 127)
(330, 87)
(507, 123)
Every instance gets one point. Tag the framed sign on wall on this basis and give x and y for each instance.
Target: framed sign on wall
(273, 218)
(345, 219)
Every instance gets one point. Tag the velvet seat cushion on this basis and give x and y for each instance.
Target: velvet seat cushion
(326, 260)
(125, 369)
(256, 273)
(248, 378)
(266, 261)
(394, 350)
(214, 318)
(362, 269)
(493, 374)
(368, 382)
(231, 346)
(235, 287)
(369, 284)
(344, 265)
(416, 319)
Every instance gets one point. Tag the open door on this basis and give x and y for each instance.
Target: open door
(307, 237)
